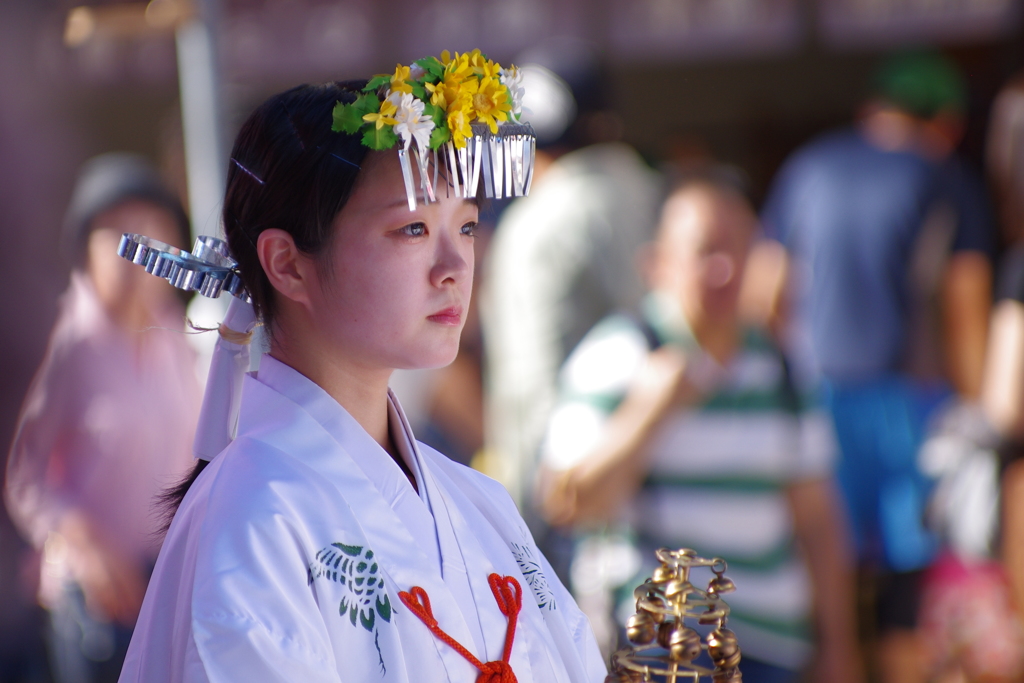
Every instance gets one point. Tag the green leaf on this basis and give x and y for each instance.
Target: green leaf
(439, 136)
(432, 66)
(376, 82)
(418, 91)
(367, 104)
(379, 138)
(433, 112)
(347, 119)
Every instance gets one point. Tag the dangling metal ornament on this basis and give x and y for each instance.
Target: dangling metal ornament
(502, 161)
(664, 647)
(208, 269)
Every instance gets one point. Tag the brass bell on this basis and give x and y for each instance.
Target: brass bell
(724, 648)
(727, 676)
(665, 632)
(658, 601)
(641, 628)
(663, 574)
(721, 585)
(684, 644)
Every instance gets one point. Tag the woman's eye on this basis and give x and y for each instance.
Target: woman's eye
(469, 229)
(414, 230)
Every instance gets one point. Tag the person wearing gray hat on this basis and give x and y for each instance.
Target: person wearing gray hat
(107, 421)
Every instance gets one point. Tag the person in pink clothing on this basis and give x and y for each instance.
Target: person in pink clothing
(107, 422)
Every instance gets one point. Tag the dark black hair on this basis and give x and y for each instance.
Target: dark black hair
(288, 170)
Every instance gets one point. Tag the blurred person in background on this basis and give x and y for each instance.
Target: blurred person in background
(562, 258)
(682, 423)
(969, 616)
(1004, 379)
(107, 422)
(891, 240)
(971, 606)
(1005, 159)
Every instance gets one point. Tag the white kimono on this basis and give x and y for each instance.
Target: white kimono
(285, 560)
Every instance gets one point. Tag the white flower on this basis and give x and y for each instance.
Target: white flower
(512, 78)
(412, 124)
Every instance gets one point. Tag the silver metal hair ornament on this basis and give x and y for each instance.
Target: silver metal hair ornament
(458, 112)
(208, 269)
(503, 162)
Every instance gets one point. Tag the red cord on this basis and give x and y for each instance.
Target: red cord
(509, 596)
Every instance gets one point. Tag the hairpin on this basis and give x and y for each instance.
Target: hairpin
(246, 171)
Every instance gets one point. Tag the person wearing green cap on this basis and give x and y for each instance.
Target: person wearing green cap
(890, 240)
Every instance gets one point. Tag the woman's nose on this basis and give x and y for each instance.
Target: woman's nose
(451, 263)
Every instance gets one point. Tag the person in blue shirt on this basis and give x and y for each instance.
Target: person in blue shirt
(890, 242)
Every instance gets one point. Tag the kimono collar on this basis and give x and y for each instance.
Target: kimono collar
(312, 398)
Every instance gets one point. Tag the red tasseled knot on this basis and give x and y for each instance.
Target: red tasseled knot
(496, 672)
(509, 596)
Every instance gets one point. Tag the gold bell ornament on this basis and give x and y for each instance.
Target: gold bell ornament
(663, 646)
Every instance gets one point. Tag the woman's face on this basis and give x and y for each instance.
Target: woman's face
(395, 284)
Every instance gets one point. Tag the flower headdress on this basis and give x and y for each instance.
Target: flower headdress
(460, 111)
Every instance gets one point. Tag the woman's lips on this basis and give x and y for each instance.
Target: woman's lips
(449, 316)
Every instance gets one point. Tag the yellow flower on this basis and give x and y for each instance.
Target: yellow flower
(447, 92)
(385, 116)
(398, 80)
(458, 124)
(446, 57)
(478, 63)
(438, 94)
(490, 69)
(490, 102)
(459, 68)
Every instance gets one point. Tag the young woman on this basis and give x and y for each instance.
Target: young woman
(325, 543)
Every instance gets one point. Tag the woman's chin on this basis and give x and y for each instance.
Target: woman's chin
(427, 359)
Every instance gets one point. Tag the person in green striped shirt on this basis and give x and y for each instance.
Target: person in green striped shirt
(679, 427)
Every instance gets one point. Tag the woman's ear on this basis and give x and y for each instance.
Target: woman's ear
(290, 272)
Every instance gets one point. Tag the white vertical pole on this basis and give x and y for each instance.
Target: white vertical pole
(205, 159)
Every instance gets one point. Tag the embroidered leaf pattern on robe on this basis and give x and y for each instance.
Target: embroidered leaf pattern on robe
(364, 597)
(529, 564)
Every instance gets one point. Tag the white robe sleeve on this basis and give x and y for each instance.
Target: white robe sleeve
(255, 616)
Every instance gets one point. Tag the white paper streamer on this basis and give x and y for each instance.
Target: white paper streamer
(218, 419)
